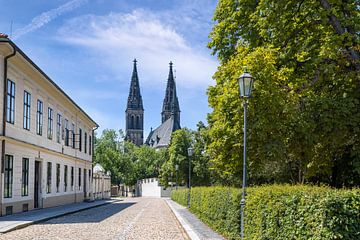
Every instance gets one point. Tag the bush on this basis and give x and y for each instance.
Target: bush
(279, 211)
(180, 196)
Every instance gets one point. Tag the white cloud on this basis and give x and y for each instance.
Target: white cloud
(48, 16)
(119, 37)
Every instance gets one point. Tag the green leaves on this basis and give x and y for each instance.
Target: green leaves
(127, 162)
(279, 212)
(304, 115)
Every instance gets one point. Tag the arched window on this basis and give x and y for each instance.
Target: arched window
(137, 122)
(132, 122)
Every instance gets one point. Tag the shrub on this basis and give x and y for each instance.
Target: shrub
(279, 211)
(180, 196)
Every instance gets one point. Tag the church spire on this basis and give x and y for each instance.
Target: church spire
(135, 111)
(135, 99)
(171, 103)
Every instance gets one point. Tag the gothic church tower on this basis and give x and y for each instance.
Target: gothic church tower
(135, 111)
(171, 102)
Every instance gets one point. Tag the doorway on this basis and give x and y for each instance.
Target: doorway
(37, 184)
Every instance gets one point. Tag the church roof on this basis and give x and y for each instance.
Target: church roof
(135, 99)
(161, 136)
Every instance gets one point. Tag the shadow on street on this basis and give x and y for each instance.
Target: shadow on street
(93, 215)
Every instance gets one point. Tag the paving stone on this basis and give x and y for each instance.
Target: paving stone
(133, 218)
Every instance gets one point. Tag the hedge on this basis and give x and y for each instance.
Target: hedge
(278, 211)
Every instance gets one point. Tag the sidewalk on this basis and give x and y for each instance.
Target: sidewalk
(195, 228)
(21, 220)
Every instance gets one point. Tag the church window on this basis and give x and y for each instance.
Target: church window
(137, 122)
(132, 125)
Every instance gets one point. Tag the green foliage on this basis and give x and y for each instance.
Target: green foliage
(279, 212)
(180, 196)
(127, 162)
(304, 118)
(177, 154)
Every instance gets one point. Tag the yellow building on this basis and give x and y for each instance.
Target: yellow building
(46, 138)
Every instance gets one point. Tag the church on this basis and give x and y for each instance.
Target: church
(170, 116)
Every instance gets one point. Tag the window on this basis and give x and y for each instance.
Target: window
(39, 117)
(80, 139)
(8, 176)
(73, 135)
(137, 122)
(57, 177)
(25, 177)
(89, 176)
(58, 128)
(90, 145)
(72, 178)
(79, 178)
(48, 182)
(27, 101)
(85, 142)
(66, 132)
(10, 111)
(132, 124)
(65, 177)
(50, 123)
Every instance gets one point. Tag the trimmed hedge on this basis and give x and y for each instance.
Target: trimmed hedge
(278, 211)
(180, 196)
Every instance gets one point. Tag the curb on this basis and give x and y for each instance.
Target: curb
(23, 225)
(187, 227)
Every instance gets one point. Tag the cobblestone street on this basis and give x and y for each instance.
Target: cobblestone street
(133, 218)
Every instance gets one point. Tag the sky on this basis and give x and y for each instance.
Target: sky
(87, 47)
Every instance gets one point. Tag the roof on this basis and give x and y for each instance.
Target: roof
(161, 136)
(3, 38)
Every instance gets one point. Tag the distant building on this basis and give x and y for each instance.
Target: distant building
(150, 187)
(134, 112)
(170, 116)
(47, 139)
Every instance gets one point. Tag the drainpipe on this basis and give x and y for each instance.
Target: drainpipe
(4, 116)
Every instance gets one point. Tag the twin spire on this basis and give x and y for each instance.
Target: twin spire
(170, 104)
(135, 99)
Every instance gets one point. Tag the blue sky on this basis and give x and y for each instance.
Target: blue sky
(87, 48)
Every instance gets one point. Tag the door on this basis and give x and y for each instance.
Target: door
(84, 183)
(37, 182)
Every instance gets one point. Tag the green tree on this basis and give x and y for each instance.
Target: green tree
(304, 116)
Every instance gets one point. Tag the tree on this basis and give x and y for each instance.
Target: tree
(126, 162)
(177, 153)
(304, 117)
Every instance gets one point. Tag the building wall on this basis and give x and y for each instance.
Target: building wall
(22, 143)
(73, 193)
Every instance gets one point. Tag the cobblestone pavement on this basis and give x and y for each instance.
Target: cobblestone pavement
(133, 218)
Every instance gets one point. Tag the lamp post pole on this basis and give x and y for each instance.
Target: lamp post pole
(246, 82)
(190, 153)
(242, 203)
(177, 169)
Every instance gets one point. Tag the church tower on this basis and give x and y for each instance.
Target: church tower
(135, 111)
(171, 104)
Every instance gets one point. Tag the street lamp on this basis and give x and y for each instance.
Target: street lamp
(177, 169)
(190, 153)
(246, 82)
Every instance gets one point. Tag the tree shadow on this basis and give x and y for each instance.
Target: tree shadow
(93, 215)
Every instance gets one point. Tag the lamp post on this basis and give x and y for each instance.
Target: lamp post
(190, 153)
(177, 169)
(246, 82)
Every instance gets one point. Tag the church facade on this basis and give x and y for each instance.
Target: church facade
(170, 115)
